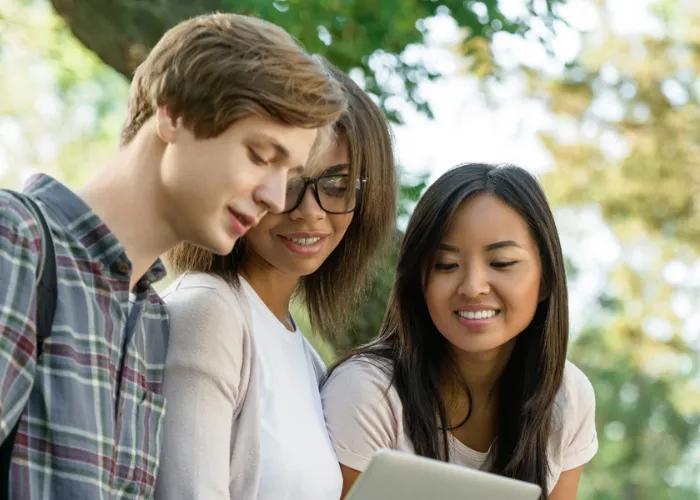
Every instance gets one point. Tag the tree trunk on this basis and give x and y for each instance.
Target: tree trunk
(122, 32)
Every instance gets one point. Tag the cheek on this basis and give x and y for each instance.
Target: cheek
(522, 297)
(229, 168)
(437, 298)
(264, 230)
(183, 182)
(340, 224)
(240, 176)
(259, 241)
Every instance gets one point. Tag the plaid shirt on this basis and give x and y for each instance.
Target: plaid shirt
(91, 411)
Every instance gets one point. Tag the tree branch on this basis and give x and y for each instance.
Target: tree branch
(122, 32)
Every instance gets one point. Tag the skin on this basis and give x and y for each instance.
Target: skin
(166, 186)
(274, 265)
(487, 260)
(567, 486)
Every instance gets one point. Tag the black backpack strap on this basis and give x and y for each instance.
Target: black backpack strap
(47, 282)
(47, 289)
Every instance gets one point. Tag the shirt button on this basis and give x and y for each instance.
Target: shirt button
(123, 267)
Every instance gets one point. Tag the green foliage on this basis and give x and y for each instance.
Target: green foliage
(366, 323)
(67, 104)
(348, 32)
(633, 102)
(641, 431)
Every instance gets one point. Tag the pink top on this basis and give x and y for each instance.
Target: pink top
(363, 417)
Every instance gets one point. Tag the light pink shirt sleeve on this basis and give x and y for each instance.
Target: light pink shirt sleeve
(361, 413)
(580, 436)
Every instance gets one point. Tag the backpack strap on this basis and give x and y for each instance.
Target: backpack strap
(47, 290)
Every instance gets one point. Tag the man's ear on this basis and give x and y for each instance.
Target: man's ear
(167, 124)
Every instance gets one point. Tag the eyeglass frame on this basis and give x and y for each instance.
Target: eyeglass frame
(359, 189)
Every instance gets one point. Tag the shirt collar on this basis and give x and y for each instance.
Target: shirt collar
(84, 225)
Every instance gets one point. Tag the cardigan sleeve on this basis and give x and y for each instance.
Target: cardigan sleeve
(204, 385)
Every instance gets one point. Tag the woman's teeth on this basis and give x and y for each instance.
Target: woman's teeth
(304, 241)
(477, 314)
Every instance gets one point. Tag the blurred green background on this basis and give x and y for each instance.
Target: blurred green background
(599, 98)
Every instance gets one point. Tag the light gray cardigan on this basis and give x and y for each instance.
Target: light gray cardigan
(210, 347)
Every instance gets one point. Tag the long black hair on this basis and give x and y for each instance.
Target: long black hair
(418, 354)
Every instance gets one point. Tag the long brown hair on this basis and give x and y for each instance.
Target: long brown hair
(418, 353)
(332, 291)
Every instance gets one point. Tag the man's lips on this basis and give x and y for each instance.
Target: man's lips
(241, 222)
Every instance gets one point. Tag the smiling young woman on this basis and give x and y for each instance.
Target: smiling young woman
(470, 365)
(244, 406)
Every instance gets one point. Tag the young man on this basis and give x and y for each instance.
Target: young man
(222, 111)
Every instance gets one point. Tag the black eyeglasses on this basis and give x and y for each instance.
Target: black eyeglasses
(332, 192)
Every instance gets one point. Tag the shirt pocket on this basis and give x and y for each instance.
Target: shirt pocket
(149, 424)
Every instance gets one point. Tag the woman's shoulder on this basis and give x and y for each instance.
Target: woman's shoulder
(195, 291)
(574, 438)
(363, 410)
(207, 306)
(193, 282)
(576, 395)
(362, 374)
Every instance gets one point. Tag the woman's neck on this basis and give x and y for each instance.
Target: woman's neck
(481, 372)
(273, 287)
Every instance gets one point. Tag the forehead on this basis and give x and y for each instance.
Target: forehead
(486, 219)
(335, 153)
(295, 142)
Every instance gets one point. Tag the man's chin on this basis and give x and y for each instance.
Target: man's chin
(219, 246)
(225, 248)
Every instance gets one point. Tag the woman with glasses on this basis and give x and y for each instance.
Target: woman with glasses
(244, 417)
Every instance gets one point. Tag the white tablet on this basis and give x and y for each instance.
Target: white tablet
(397, 475)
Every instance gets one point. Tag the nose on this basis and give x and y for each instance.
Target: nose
(474, 283)
(271, 192)
(309, 208)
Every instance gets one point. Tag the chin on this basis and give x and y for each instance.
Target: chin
(477, 345)
(223, 245)
(300, 271)
(310, 268)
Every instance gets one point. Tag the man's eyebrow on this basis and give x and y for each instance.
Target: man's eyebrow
(297, 171)
(281, 153)
(267, 140)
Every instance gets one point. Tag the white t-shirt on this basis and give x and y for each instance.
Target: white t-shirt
(298, 461)
(363, 417)
(244, 419)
